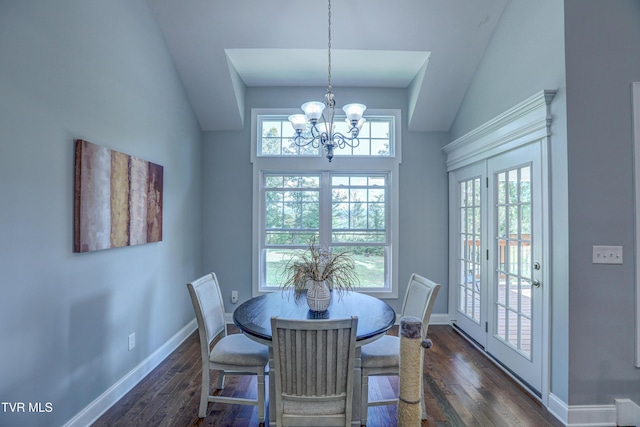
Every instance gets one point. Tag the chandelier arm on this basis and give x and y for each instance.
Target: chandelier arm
(342, 141)
(302, 141)
(314, 131)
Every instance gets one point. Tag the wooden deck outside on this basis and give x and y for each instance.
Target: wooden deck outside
(473, 306)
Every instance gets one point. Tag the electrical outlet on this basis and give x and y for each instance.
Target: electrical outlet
(607, 255)
(234, 297)
(132, 341)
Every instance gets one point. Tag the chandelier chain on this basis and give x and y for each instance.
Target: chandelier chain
(329, 49)
(309, 130)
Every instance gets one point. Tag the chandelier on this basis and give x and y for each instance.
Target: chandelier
(310, 131)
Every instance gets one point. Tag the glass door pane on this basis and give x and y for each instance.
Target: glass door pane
(470, 244)
(514, 273)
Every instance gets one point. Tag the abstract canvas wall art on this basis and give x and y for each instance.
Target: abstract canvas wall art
(117, 199)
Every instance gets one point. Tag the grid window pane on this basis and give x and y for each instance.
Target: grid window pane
(276, 138)
(358, 203)
(292, 206)
(358, 212)
(276, 259)
(357, 221)
(370, 264)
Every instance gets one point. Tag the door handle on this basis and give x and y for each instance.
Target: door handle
(536, 283)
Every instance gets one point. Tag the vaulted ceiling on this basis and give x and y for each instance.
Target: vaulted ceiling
(431, 48)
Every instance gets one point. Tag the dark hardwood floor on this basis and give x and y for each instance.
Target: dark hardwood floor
(462, 388)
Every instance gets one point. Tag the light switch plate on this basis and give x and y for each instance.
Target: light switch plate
(132, 341)
(607, 254)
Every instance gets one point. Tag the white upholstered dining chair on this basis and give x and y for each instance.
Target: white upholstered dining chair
(313, 371)
(382, 357)
(234, 354)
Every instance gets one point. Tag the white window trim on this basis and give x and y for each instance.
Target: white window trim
(305, 164)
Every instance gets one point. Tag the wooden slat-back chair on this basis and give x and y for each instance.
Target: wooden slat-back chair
(313, 371)
(234, 353)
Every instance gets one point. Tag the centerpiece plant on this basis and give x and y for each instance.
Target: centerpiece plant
(317, 268)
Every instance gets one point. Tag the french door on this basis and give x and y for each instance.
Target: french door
(499, 259)
(469, 187)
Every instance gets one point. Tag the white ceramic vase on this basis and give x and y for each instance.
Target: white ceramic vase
(318, 295)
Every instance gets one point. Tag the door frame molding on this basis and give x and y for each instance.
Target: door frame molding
(526, 122)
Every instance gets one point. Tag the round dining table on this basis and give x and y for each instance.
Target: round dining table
(375, 318)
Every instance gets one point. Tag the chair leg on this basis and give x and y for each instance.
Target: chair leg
(204, 392)
(422, 403)
(261, 399)
(220, 380)
(364, 399)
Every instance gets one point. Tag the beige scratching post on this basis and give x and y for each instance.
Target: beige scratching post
(410, 402)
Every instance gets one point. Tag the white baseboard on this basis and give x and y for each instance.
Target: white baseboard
(558, 408)
(628, 412)
(228, 317)
(583, 415)
(440, 319)
(592, 416)
(107, 399)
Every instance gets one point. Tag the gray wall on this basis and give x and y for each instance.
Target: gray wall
(526, 55)
(228, 184)
(603, 58)
(100, 71)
